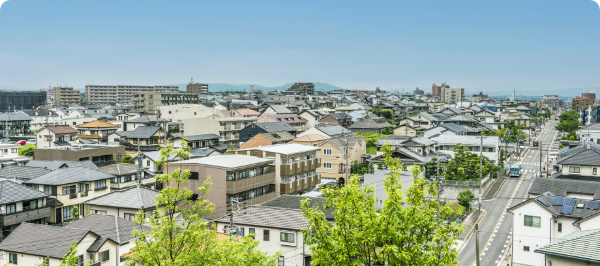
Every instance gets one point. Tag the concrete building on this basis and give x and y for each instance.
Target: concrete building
(451, 96)
(180, 111)
(148, 102)
(113, 94)
(226, 127)
(437, 90)
(589, 94)
(99, 154)
(197, 88)
(304, 88)
(49, 94)
(295, 166)
(550, 100)
(14, 124)
(248, 178)
(581, 103)
(24, 100)
(66, 96)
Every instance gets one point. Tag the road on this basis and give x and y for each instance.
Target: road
(496, 227)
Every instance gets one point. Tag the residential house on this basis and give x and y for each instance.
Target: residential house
(9, 155)
(102, 239)
(56, 135)
(147, 138)
(268, 138)
(312, 117)
(253, 129)
(21, 173)
(280, 232)
(544, 219)
(124, 203)
(310, 139)
(572, 249)
(144, 121)
(96, 130)
(249, 178)
(71, 187)
(338, 155)
(407, 130)
(228, 128)
(343, 119)
(20, 204)
(276, 110)
(294, 120)
(582, 165)
(126, 176)
(188, 111)
(41, 118)
(295, 166)
(327, 131)
(55, 165)
(96, 153)
(412, 150)
(118, 138)
(246, 112)
(450, 129)
(328, 120)
(14, 124)
(369, 124)
(198, 141)
(491, 145)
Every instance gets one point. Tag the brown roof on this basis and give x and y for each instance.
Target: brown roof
(311, 137)
(287, 118)
(61, 129)
(224, 113)
(246, 111)
(278, 136)
(97, 124)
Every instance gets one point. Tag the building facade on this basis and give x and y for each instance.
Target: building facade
(112, 94)
(24, 100)
(65, 96)
(197, 88)
(148, 102)
(550, 100)
(581, 103)
(449, 95)
(226, 127)
(307, 88)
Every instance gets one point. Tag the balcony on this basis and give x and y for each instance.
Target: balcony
(300, 184)
(299, 167)
(100, 188)
(25, 215)
(73, 196)
(238, 186)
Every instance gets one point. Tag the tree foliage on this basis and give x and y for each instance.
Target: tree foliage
(465, 165)
(26, 150)
(362, 168)
(404, 232)
(465, 197)
(128, 159)
(190, 241)
(386, 113)
(568, 122)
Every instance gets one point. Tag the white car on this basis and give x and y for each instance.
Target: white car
(31, 141)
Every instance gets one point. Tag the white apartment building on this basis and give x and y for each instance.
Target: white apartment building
(550, 100)
(111, 94)
(182, 111)
(226, 127)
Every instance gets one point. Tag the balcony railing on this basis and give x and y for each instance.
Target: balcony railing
(100, 188)
(4, 211)
(73, 196)
(241, 185)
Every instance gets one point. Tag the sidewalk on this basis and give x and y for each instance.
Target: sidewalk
(498, 184)
(469, 226)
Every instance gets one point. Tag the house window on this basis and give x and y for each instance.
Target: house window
(67, 213)
(327, 152)
(327, 165)
(194, 175)
(560, 227)
(286, 237)
(231, 177)
(12, 258)
(594, 171)
(148, 163)
(129, 216)
(100, 184)
(11, 208)
(103, 256)
(92, 256)
(252, 231)
(280, 261)
(13, 150)
(574, 169)
(265, 235)
(100, 212)
(525, 248)
(532, 221)
(194, 113)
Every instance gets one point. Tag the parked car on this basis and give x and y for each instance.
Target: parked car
(31, 141)
(21, 142)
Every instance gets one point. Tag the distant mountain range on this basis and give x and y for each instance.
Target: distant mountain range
(217, 87)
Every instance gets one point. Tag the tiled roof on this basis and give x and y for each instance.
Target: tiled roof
(465, 140)
(290, 118)
(11, 192)
(293, 202)
(97, 124)
(117, 229)
(278, 136)
(575, 246)
(560, 187)
(275, 126)
(202, 137)
(201, 152)
(577, 213)
(311, 137)
(146, 119)
(246, 111)
(119, 169)
(266, 216)
(137, 197)
(281, 109)
(14, 117)
(53, 165)
(585, 157)
(61, 129)
(22, 172)
(334, 130)
(69, 175)
(340, 142)
(428, 116)
(144, 132)
(369, 122)
(42, 240)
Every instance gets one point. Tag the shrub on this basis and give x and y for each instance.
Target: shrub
(26, 150)
(465, 197)
(127, 159)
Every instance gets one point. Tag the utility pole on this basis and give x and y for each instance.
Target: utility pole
(480, 167)
(477, 243)
(541, 152)
(346, 166)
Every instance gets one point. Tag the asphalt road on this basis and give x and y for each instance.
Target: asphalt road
(496, 227)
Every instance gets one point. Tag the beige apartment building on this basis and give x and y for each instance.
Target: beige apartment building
(197, 88)
(65, 96)
(176, 112)
(226, 127)
(112, 94)
(450, 95)
(149, 102)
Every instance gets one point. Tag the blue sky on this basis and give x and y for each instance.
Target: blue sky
(536, 46)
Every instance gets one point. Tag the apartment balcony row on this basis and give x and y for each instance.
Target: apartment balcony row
(301, 166)
(300, 184)
(230, 137)
(231, 127)
(238, 186)
(27, 214)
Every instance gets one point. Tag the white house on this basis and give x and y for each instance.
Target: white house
(445, 144)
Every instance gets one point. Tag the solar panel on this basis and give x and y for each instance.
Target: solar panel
(570, 202)
(566, 210)
(594, 205)
(542, 201)
(558, 201)
(550, 194)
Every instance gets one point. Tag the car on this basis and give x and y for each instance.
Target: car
(536, 143)
(31, 141)
(21, 142)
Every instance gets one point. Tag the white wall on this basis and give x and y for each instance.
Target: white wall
(531, 236)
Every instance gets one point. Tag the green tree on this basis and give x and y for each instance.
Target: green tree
(191, 241)
(388, 130)
(128, 159)
(465, 197)
(26, 150)
(75, 213)
(465, 165)
(568, 122)
(69, 259)
(404, 232)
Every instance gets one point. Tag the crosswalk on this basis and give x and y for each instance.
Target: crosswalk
(538, 164)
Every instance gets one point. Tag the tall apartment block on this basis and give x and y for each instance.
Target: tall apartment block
(580, 103)
(452, 95)
(437, 90)
(550, 100)
(589, 94)
(304, 88)
(197, 88)
(112, 94)
(24, 100)
(49, 94)
(147, 102)
(65, 96)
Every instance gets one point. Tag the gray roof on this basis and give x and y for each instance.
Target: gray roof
(54, 165)
(560, 187)
(465, 140)
(582, 146)
(339, 115)
(281, 109)
(584, 157)
(266, 216)
(278, 136)
(293, 202)
(42, 240)
(334, 130)
(137, 197)
(108, 227)
(119, 169)
(122, 133)
(14, 117)
(202, 137)
(560, 175)
(428, 116)
(579, 245)
(22, 172)
(155, 155)
(340, 142)
(230, 161)
(11, 192)
(69, 175)
(275, 126)
(578, 213)
(144, 132)
(369, 122)
(201, 152)
(147, 119)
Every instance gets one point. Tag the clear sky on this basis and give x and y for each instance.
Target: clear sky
(533, 45)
